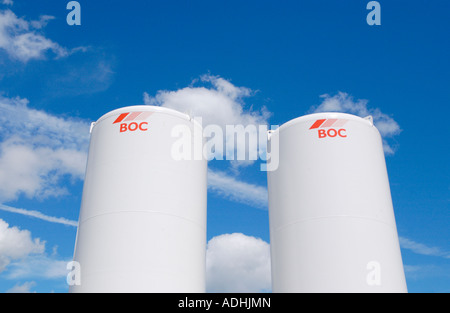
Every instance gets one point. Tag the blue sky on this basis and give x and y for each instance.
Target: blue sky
(267, 60)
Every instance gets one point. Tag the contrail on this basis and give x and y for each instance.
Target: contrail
(39, 215)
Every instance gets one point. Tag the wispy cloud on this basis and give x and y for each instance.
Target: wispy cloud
(343, 102)
(233, 189)
(22, 40)
(22, 288)
(420, 248)
(92, 73)
(39, 266)
(39, 215)
(42, 22)
(8, 2)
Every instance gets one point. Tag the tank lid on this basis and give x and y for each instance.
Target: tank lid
(146, 108)
(327, 115)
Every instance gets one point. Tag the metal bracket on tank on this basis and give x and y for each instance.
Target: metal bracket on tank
(370, 119)
(189, 113)
(92, 127)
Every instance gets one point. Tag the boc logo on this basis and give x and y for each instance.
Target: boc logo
(133, 121)
(330, 128)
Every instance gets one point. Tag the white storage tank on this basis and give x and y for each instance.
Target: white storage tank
(142, 224)
(332, 225)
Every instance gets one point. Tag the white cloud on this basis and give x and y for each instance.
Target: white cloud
(43, 21)
(218, 102)
(238, 263)
(16, 244)
(24, 288)
(235, 190)
(39, 266)
(22, 257)
(21, 39)
(343, 102)
(8, 2)
(420, 248)
(37, 150)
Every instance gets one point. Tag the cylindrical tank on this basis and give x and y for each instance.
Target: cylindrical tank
(332, 224)
(142, 223)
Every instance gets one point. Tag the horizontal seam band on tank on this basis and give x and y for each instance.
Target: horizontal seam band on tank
(150, 212)
(333, 216)
(92, 272)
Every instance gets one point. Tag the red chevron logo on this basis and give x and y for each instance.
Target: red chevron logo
(331, 122)
(133, 116)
